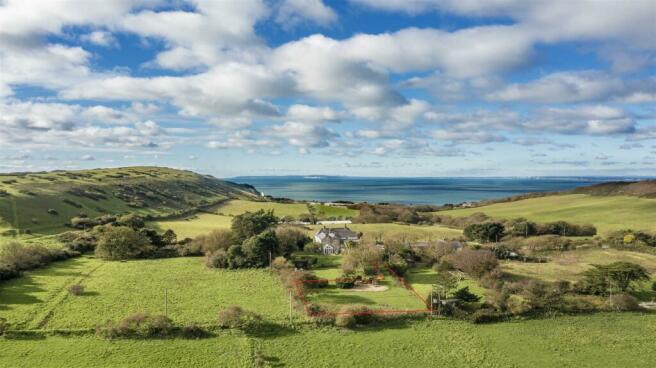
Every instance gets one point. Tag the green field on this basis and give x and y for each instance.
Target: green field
(115, 289)
(423, 279)
(192, 226)
(599, 340)
(323, 211)
(569, 265)
(607, 213)
(237, 207)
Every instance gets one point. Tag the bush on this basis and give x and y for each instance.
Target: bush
(352, 315)
(548, 242)
(345, 282)
(82, 242)
(53, 212)
(623, 302)
(211, 242)
(4, 326)
(217, 259)
(76, 289)
(487, 316)
(121, 242)
(473, 262)
(15, 257)
(291, 239)
(465, 295)
(281, 263)
(193, 331)
(8, 272)
(140, 325)
(485, 232)
(398, 264)
(236, 317)
(653, 286)
(132, 220)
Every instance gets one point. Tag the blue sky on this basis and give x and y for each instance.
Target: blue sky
(353, 87)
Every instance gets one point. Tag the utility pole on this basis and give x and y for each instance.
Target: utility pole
(290, 308)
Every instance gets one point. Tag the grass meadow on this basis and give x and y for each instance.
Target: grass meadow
(237, 207)
(40, 300)
(323, 211)
(597, 340)
(607, 213)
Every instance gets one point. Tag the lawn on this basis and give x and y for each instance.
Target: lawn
(332, 298)
(607, 213)
(116, 289)
(422, 280)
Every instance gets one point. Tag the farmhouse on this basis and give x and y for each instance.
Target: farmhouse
(332, 240)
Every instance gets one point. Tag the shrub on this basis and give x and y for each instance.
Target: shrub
(132, 220)
(618, 275)
(398, 264)
(139, 325)
(82, 242)
(76, 289)
(623, 302)
(120, 242)
(236, 317)
(15, 257)
(548, 242)
(290, 239)
(474, 262)
(4, 326)
(487, 316)
(217, 259)
(465, 295)
(485, 232)
(352, 315)
(8, 272)
(281, 263)
(345, 282)
(260, 247)
(193, 331)
(653, 286)
(213, 241)
(53, 212)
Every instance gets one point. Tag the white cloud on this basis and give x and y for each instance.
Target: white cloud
(293, 12)
(100, 38)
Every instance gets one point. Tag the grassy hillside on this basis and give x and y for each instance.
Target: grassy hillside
(607, 213)
(43, 202)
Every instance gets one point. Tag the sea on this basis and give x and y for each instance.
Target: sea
(405, 190)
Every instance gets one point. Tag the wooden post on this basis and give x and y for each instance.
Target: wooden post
(166, 302)
(290, 307)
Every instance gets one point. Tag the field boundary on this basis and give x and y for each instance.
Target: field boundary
(300, 294)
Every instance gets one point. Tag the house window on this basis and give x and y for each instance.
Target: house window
(327, 249)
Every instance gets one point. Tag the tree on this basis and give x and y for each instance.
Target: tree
(602, 279)
(132, 220)
(473, 262)
(523, 227)
(290, 239)
(169, 237)
(398, 264)
(444, 282)
(485, 232)
(250, 224)
(120, 242)
(465, 295)
(259, 248)
(541, 296)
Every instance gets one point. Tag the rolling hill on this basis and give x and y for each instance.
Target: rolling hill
(43, 202)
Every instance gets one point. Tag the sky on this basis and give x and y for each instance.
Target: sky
(352, 87)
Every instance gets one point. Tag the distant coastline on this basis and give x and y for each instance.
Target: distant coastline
(420, 190)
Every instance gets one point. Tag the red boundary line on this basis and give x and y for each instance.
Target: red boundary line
(301, 296)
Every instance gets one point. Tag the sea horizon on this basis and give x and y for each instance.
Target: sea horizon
(414, 190)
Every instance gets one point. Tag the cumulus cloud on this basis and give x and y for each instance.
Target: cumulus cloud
(293, 12)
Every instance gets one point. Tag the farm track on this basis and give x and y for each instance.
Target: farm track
(59, 296)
